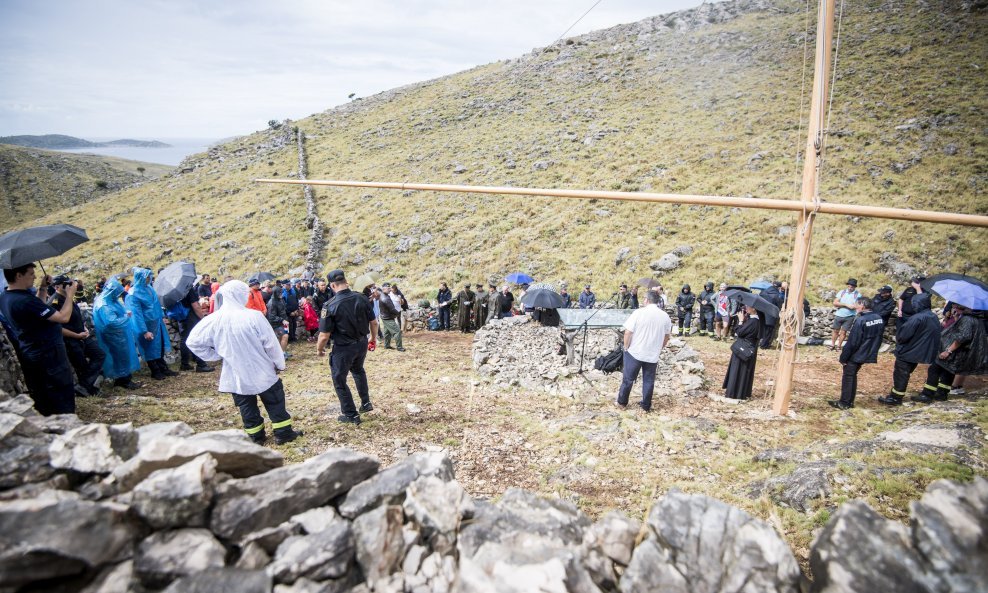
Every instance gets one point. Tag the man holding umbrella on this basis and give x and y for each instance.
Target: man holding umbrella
(37, 328)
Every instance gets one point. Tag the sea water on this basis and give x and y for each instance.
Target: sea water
(173, 155)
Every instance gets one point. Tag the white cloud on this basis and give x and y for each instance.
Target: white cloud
(203, 69)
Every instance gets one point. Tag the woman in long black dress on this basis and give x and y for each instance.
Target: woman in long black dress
(741, 373)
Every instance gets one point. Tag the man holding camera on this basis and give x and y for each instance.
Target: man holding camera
(38, 331)
(82, 348)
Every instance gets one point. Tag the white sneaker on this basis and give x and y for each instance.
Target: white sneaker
(957, 391)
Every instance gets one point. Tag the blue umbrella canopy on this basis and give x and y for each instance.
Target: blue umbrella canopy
(519, 278)
(958, 288)
(760, 284)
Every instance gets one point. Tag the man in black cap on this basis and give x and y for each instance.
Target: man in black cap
(81, 347)
(883, 304)
(347, 319)
(37, 328)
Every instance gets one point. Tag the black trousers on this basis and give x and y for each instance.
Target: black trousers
(49, 380)
(849, 382)
(706, 321)
(273, 399)
(346, 359)
(86, 358)
(186, 329)
(686, 321)
(767, 334)
(444, 317)
(938, 382)
(292, 327)
(900, 377)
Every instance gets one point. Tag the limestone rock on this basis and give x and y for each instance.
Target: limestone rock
(94, 448)
(269, 499)
(22, 405)
(666, 263)
(177, 497)
(167, 555)
(113, 579)
(57, 423)
(614, 535)
(24, 454)
(379, 541)
(150, 432)
(234, 455)
(698, 544)
(253, 557)
(438, 507)
(57, 534)
(388, 486)
(328, 554)
(215, 580)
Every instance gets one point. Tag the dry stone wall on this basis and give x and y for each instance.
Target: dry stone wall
(113, 508)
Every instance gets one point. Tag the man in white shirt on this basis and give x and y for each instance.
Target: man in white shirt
(646, 333)
(252, 358)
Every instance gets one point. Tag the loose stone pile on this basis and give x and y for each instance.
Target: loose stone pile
(517, 351)
(100, 509)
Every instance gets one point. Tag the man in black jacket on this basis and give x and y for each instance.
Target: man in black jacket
(82, 349)
(917, 342)
(321, 295)
(860, 348)
(708, 300)
(291, 297)
(770, 328)
(883, 304)
(684, 310)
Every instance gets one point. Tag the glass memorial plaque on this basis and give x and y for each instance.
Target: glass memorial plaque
(594, 318)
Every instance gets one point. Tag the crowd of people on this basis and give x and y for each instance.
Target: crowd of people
(67, 350)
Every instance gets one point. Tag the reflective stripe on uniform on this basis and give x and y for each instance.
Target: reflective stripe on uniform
(898, 392)
(254, 430)
(930, 387)
(942, 386)
(277, 425)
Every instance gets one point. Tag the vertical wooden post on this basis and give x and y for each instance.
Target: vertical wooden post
(812, 157)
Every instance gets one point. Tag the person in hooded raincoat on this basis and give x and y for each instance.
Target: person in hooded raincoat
(964, 351)
(708, 302)
(116, 335)
(149, 319)
(252, 358)
(684, 310)
(917, 341)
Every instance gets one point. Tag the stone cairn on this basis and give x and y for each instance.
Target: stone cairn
(518, 352)
(312, 221)
(112, 508)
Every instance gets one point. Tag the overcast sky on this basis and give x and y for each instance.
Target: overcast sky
(178, 68)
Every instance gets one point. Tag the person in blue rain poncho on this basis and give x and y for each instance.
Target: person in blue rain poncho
(116, 335)
(152, 335)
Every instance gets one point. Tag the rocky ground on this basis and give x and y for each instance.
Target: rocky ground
(573, 443)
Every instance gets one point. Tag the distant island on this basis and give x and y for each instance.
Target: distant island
(62, 142)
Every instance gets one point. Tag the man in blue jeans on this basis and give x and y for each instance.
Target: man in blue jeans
(646, 333)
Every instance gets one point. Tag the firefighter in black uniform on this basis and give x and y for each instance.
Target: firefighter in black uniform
(861, 347)
(684, 310)
(708, 300)
(348, 319)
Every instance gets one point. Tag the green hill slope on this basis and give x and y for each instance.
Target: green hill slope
(33, 181)
(696, 102)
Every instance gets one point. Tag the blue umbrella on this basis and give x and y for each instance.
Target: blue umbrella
(760, 285)
(519, 278)
(958, 288)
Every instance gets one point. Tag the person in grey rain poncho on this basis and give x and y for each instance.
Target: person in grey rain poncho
(252, 358)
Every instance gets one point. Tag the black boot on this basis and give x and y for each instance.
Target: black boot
(286, 436)
(155, 368)
(165, 370)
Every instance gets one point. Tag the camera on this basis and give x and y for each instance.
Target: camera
(62, 280)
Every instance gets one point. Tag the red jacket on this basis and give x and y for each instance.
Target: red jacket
(310, 317)
(256, 301)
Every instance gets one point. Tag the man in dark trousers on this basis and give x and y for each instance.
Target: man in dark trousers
(860, 348)
(444, 301)
(290, 295)
(917, 341)
(684, 310)
(770, 328)
(185, 327)
(82, 349)
(708, 300)
(37, 328)
(347, 320)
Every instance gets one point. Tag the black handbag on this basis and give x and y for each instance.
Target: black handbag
(743, 349)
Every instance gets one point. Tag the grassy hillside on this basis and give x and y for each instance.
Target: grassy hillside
(33, 180)
(700, 102)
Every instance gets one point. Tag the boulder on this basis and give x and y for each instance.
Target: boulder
(94, 448)
(699, 544)
(234, 454)
(379, 541)
(438, 507)
(214, 580)
(498, 568)
(269, 499)
(328, 554)
(150, 432)
(22, 405)
(178, 497)
(389, 485)
(57, 534)
(666, 263)
(614, 535)
(167, 555)
(57, 423)
(23, 452)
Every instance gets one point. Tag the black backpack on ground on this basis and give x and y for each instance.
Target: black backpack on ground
(610, 362)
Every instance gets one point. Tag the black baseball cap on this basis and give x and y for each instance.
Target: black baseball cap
(885, 288)
(336, 276)
(253, 282)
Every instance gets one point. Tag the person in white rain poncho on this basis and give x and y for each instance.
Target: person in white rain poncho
(252, 358)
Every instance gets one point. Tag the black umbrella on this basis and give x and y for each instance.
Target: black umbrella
(753, 300)
(738, 287)
(174, 282)
(542, 298)
(261, 277)
(18, 248)
(648, 283)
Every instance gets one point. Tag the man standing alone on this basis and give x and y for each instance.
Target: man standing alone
(347, 320)
(646, 333)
